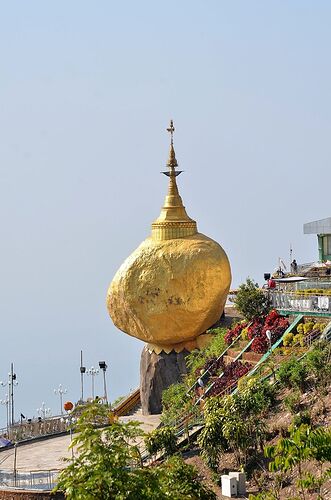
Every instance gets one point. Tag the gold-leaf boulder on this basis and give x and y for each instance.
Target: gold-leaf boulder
(169, 292)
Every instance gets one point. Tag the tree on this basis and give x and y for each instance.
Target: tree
(236, 422)
(302, 445)
(162, 439)
(250, 301)
(108, 464)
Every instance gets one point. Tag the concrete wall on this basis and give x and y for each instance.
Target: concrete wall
(28, 495)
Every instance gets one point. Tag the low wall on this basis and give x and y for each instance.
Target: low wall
(29, 495)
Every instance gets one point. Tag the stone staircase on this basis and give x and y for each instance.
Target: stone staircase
(249, 356)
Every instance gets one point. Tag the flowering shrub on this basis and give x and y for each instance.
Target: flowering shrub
(273, 322)
(255, 329)
(232, 372)
(259, 345)
(213, 365)
(233, 333)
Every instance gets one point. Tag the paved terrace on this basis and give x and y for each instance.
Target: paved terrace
(48, 454)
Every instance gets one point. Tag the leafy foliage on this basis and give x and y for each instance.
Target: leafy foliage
(235, 422)
(250, 301)
(174, 402)
(318, 362)
(273, 322)
(234, 332)
(292, 401)
(180, 481)
(161, 439)
(108, 465)
(302, 445)
(293, 374)
(232, 372)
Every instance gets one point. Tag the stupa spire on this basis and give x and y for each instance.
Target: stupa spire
(172, 162)
(173, 221)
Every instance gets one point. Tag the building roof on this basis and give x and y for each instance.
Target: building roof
(322, 226)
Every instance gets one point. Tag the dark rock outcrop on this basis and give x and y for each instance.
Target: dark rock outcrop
(157, 372)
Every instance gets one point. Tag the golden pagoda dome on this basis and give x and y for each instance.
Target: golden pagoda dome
(174, 286)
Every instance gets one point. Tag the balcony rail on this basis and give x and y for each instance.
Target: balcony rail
(34, 479)
(293, 301)
(36, 428)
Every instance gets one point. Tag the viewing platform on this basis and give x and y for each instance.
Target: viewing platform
(296, 303)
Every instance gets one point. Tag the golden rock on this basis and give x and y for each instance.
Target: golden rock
(174, 286)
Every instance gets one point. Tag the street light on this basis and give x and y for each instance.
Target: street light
(93, 372)
(6, 402)
(44, 412)
(103, 366)
(11, 382)
(82, 371)
(60, 391)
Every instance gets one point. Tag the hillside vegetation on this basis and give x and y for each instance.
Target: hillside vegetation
(273, 424)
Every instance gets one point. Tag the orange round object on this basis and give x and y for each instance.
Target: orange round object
(68, 405)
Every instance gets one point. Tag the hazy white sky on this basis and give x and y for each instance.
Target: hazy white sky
(86, 92)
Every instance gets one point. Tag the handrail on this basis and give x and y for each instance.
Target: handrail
(207, 372)
(127, 404)
(221, 374)
(297, 320)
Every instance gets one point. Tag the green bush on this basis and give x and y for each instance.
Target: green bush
(288, 339)
(236, 422)
(174, 402)
(292, 402)
(251, 301)
(293, 374)
(318, 363)
(197, 358)
(302, 418)
(107, 464)
(217, 345)
(161, 439)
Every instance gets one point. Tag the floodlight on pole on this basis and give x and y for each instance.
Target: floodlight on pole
(103, 366)
(82, 371)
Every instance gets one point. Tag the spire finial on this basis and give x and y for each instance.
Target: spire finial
(172, 162)
(171, 129)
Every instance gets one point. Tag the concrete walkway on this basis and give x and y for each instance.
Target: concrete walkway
(49, 454)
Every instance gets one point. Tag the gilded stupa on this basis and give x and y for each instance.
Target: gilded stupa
(174, 286)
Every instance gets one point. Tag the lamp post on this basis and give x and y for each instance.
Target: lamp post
(6, 402)
(11, 383)
(82, 371)
(92, 372)
(60, 391)
(44, 412)
(103, 366)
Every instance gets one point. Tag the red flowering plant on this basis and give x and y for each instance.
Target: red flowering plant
(255, 329)
(234, 332)
(273, 322)
(214, 366)
(276, 324)
(260, 344)
(232, 372)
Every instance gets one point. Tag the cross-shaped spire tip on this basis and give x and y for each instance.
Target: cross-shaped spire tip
(171, 130)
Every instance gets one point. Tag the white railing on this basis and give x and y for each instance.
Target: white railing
(35, 479)
(291, 301)
(36, 428)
